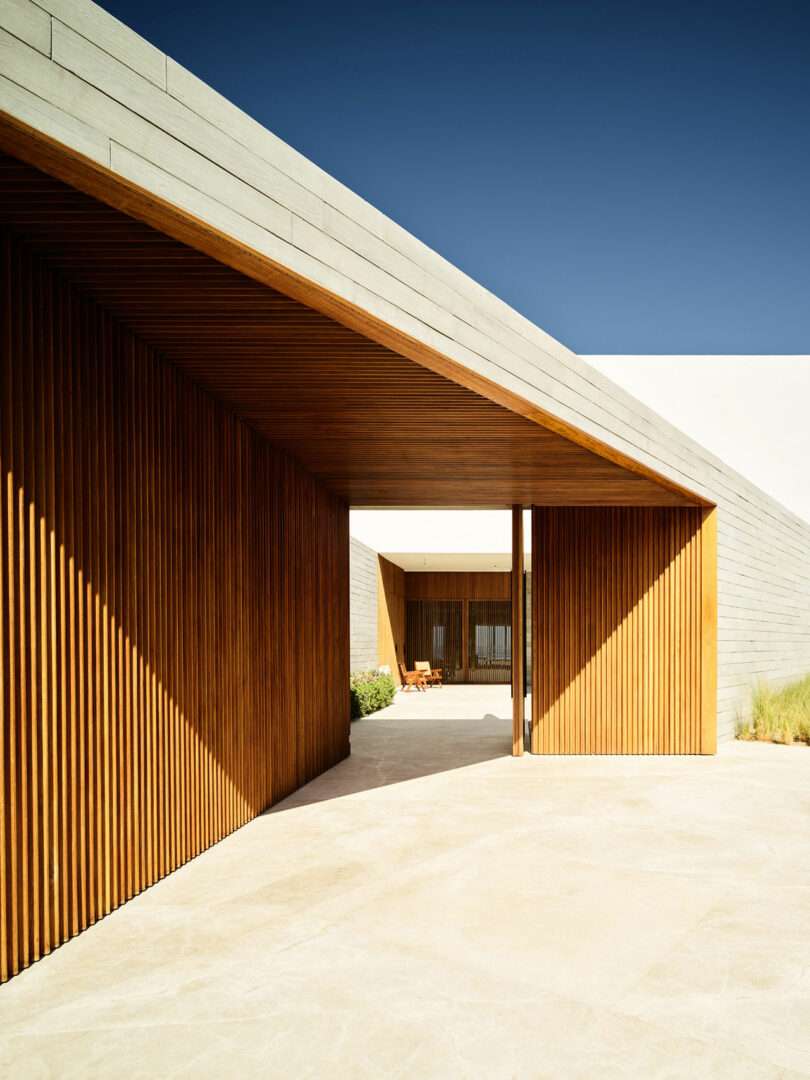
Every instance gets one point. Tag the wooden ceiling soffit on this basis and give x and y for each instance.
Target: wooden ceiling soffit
(68, 165)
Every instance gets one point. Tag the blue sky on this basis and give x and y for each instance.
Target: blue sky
(632, 177)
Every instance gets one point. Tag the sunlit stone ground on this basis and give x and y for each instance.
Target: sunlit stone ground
(434, 908)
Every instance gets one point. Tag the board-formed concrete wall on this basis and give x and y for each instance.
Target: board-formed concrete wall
(75, 73)
(362, 606)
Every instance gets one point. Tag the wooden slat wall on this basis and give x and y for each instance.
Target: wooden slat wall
(617, 608)
(169, 586)
(390, 615)
(458, 585)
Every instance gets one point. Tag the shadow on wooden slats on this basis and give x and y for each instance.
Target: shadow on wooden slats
(173, 615)
(616, 613)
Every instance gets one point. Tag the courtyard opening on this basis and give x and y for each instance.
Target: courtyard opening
(432, 606)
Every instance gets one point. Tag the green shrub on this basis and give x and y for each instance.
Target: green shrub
(370, 691)
(780, 715)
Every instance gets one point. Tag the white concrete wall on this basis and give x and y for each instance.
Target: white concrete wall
(362, 607)
(71, 70)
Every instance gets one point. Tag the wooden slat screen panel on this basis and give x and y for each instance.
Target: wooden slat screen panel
(173, 616)
(616, 606)
(489, 641)
(470, 640)
(434, 632)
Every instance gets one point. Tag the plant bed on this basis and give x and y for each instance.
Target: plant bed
(370, 692)
(781, 716)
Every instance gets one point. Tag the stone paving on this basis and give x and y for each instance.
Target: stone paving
(434, 908)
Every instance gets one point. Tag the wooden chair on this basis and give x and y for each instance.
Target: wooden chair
(412, 680)
(433, 676)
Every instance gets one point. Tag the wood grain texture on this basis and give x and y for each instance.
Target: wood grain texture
(618, 631)
(458, 585)
(378, 428)
(169, 583)
(390, 616)
(518, 637)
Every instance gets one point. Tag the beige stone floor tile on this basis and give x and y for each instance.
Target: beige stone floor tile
(435, 908)
(741, 977)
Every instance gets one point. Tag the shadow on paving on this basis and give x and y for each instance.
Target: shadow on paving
(407, 750)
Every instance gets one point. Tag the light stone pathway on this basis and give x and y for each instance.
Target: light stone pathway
(433, 908)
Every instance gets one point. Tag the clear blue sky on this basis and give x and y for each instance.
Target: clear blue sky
(634, 177)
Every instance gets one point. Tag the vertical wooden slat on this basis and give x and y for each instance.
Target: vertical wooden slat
(80, 519)
(50, 609)
(105, 728)
(14, 674)
(97, 531)
(61, 677)
(6, 647)
(28, 776)
(127, 601)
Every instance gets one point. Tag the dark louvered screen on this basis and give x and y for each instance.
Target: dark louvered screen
(490, 641)
(433, 633)
(443, 631)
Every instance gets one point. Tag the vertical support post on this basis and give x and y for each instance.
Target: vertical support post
(465, 641)
(708, 632)
(539, 651)
(518, 645)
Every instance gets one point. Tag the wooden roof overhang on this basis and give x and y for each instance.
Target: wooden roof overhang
(379, 418)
